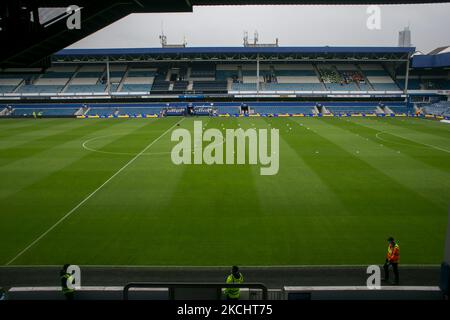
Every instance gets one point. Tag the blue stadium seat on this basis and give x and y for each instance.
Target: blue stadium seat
(438, 109)
(342, 87)
(160, 86)
(86, 88)
(180, 86)
(400, 109)
(203, 71)
(45, 111)
(141, 73)
(365, 87)
(227, 109)
(226, 74)
(243, 86)
(376, 73)
(102, 111)
(283, 110)
(292, 87)
(136, 88)
(89, 74)
(385, 87)
(7, 89)
(131, 111)
(350, 110)
(40, 89)
(216, 86)
(56, 75)
(295, 73)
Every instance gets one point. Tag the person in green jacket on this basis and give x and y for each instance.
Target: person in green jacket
(234, 277)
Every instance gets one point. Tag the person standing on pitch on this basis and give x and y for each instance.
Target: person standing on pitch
(234, 277)
(392, 259)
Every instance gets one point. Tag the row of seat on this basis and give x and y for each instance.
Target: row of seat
(437, 109)
(44, 111)
(91, 79)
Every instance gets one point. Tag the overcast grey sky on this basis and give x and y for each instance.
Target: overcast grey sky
(292, 25)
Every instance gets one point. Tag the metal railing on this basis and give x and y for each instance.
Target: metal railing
(172, 286)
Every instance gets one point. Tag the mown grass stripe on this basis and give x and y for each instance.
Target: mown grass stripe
(89, 196)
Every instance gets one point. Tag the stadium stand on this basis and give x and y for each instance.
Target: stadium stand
(88, 78)
(138, 80)
(11, 81)
(378, 77)
(351, 110)
(212, 86)
(322, 79)
(223, 109)
(126, 78)
(438, 109)
(44, 111)
(180, 86)
(135, 111)
(103, 112)
(201, 71)
(160, 86)
(225, 72)
(243, 87)
(400, 109)
(283, 110)
(40, 88)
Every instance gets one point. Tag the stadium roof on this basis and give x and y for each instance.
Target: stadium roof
(206, 50)
(233, 54)
(190, 3)
(438, 58)
(441, 50)
(33, 44)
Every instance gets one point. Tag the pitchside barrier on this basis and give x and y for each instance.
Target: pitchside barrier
(279, 115)
(275, 115)
(214, 291)
(148, 291)
(445, 278)
(191, 290)
(363, 293)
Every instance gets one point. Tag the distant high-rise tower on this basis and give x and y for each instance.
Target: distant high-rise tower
(404, 38)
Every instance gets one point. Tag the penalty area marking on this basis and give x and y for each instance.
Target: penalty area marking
(91, 194)
(426, 146)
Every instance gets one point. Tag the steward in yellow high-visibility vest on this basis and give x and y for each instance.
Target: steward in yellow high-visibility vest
(392, 259)
(234, 277)
(66, 278)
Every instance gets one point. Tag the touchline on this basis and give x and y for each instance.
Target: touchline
(190, 150)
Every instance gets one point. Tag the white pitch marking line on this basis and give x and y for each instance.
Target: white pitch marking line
(91, 194)
(85, 143)
(424, 144)
(219, 266)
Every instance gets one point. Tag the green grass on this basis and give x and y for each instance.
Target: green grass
(343, 187)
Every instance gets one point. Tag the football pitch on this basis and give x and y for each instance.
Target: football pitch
(106, 192)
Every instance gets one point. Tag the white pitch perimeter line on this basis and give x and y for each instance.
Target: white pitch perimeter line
(221, 267)
(91, 194)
